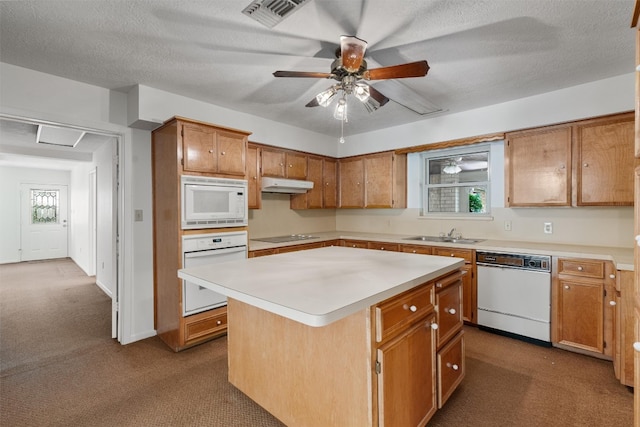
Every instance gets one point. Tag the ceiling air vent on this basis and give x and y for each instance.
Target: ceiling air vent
(270, 12)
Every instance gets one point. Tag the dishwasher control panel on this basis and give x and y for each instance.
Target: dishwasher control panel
(514, 260)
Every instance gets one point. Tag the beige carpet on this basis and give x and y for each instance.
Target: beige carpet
(59, 367)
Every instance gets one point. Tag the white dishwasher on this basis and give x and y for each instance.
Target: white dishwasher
(514, 295)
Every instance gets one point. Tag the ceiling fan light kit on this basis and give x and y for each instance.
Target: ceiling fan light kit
(350, 70)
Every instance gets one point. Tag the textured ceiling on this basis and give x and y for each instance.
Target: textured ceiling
(480, 52)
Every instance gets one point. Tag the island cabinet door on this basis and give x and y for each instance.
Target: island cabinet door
(407, 377)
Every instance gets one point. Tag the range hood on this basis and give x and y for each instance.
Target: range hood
(287, 186)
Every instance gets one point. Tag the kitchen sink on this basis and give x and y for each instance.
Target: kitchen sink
(445, 239)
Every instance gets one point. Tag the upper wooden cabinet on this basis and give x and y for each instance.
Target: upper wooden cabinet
(373, 181)
(538, 167)
(283, 164)
(210, 149)
(585, 163)
(254, 200)
(322, 171)
(604, 159)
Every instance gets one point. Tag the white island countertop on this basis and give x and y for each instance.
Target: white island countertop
(319, 286)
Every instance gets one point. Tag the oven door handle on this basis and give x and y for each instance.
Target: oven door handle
(210, 252)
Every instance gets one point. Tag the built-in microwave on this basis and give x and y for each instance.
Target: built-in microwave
(209, 202)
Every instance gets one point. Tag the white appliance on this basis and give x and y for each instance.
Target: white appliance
(514, 295)
(288, 186)
(213, 202)
(210, 248)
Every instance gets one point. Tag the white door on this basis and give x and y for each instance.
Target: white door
(44, 230)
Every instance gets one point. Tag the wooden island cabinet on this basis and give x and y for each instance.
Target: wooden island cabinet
(381, 346)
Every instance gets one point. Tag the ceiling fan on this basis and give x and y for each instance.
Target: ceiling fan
(350, 70)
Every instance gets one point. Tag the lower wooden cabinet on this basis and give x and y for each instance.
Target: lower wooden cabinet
(419, 352)
(406, 368)
(624, 323)
(469, 281)
(204, 326)
(582, 316)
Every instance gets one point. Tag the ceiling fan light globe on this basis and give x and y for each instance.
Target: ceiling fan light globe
(340, 112)
(361, 92)
(324, 98)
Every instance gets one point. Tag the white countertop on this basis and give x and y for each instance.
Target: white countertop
(319, 286)
(622, 257)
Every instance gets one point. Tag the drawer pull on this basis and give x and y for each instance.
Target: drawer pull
(453, 366)
(434, 326)
(580, 268)
(451, 310)
(566, 286)
(612, 303)
(219, 322)
(412, 308)
(612, 276)
(636, 346)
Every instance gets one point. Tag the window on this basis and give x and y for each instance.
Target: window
(456, 181)
(44, 206)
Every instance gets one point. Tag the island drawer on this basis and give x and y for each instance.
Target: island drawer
(450, 368)
(466, 254)
(449, 311)
(581, 267)
(395, 313)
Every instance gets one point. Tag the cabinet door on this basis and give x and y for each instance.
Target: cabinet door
(253, 177)
(296, 166)
(538, 167)
(406, 377)
(379, 181)
(272, 163)
(351, 183)
(329, 178)
(580, 314)
(232, 150)
(605, 162)
(469, 295)
(199, 148)
(312, 199)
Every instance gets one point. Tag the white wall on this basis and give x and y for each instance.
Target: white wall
(10, 180)
(79, 249)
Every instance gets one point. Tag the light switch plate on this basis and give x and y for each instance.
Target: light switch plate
(138, 215)
(548, 227)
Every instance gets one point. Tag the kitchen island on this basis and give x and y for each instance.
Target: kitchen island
(313, 336)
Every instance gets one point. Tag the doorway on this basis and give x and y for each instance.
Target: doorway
(43, 221)
(92, 219)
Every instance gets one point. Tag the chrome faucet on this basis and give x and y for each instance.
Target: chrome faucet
(450, 234)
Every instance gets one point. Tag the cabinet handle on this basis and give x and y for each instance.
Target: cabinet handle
(290, 166)
(580, 268)
(412, 308)
(566, 286)
(219, 322)
(454, 366)
(434, 326)
(450, 310)
(586, 165)
(414, 251)
(453, 254)
(210, 151)
(382, 248)
(636, 346)
(612, 303)
(561, 166)
(255, 178)
(438, 285)
(612, 276)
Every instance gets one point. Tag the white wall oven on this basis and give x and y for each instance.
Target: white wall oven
(210, 248)
(213, 202)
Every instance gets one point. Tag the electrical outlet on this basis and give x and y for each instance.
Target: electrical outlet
(548, 227)
(507, 225)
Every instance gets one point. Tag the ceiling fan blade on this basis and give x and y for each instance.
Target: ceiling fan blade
(412, 69)
(352, 49)
(302, 74)
(313, 103)
(375, 94)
